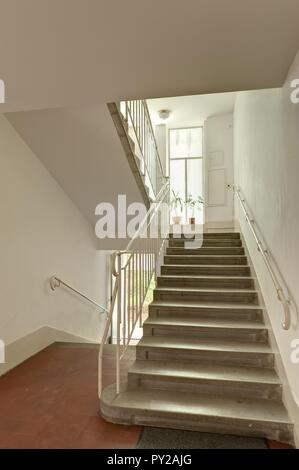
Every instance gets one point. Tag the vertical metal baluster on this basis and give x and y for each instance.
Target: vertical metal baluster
(129, 296)
(139, 127)
(125, 307)
(141, 124)
(145, 142)
(133, 288)
(140, 285)
(136, 290)
(118, 325)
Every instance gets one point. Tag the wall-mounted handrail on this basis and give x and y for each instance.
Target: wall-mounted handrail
(282, 297)
(57, 282)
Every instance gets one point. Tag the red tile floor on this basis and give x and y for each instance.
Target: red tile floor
(50, 401)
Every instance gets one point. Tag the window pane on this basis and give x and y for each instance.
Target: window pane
(185, 143)
(177, 182)
(194, 188)
(177, 177)
(194, 179)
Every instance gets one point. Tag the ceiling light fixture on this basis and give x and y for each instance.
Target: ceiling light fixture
(164, 114)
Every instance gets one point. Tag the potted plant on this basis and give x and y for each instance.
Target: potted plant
(176, 203)
(193, 203)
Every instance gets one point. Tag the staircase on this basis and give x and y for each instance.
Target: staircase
(204, 362)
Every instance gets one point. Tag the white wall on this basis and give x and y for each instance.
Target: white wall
(161, 139)
(218, 138)
(43, 233)
(266, 144)
(81, 149)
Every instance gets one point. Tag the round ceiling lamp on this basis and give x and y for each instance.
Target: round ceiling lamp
(164, 114)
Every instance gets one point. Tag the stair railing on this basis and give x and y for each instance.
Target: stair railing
(133, 270)
(281, 295)
(56, 282)
(137, 115)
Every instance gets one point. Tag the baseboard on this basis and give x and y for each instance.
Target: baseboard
(29, 345)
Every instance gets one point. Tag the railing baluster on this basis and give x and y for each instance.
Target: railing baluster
(124, 306)
(142, 254)
(129, 294)
(119, 306)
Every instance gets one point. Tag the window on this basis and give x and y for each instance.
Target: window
(186, 169)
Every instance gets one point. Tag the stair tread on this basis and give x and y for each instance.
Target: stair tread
(183, 403)
(205, 371)
(181, 266)
(196, 276)
(227, 239)
(215, 248)
(202, 322)
(209, 256)
(204, 289)
(205, 304)
(211, 344)
(216, 234)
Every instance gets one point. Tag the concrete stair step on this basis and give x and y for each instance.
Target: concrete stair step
(213, 235)
(181, 410)
(206, 378)
(233, 330)
(246, 296)
(206, 310)
(206, 281)
(205, 270)
(212, 351)
(206, 259)
(206, 242)
(215, 250)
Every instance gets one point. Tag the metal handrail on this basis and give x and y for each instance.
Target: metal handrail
(285, 300)
(137, 115)
(57, 282)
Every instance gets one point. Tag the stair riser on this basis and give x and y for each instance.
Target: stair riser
(236, 297)
(211, 357)
(211, 424)
(207, 236)
(187, 260)
(173, 243)
(205, 251)
(206, 313)
(203, 385)
(206, 282)
(229, 334)
(206, 270)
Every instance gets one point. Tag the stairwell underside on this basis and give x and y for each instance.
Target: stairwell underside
(204, 362)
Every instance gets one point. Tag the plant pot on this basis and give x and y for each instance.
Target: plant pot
(192, 220)
(176, 219)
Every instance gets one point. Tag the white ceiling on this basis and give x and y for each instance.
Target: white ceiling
(191, 110)
(58, 53)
